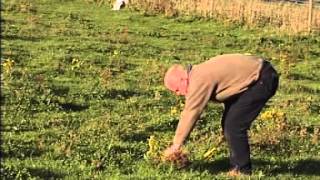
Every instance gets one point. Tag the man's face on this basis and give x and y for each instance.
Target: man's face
(182, 88)
(179, 86)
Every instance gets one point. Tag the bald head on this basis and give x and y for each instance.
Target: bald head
(176, 79)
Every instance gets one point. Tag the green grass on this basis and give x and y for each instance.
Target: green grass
(85, 94)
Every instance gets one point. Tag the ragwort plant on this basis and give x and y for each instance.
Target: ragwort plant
(270, 128)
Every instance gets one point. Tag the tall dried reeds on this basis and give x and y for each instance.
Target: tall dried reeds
(285, 16)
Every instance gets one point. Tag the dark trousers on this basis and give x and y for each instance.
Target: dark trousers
(239, 113)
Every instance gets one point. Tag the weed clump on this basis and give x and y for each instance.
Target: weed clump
(154, 155)
(270, 127)
(178, 159)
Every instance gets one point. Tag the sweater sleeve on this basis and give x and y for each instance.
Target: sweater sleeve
(196, 100)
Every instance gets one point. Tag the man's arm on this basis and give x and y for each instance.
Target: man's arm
(196, 100)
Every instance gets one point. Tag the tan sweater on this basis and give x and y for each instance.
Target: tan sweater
(216, 79)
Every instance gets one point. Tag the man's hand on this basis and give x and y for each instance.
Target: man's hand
(175, 155)
(173, 149)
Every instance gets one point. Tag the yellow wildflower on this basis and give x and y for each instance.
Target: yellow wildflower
(173, 111)
(8, 66)
(153, 147)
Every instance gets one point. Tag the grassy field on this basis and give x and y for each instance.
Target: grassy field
(82, 95)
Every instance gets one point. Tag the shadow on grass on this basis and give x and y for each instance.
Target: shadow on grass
(298, 167)
(302, 88)
(21, 150)
(121, 94)
(23, 38)
(72, 107)
(17, 172)
(163, 126)
(309, 167)
(44, 173)
(136, 137)
(213, 167)
(17, 53)
(296, 76)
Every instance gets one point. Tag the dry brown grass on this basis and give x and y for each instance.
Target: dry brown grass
(283, 16)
